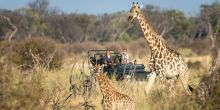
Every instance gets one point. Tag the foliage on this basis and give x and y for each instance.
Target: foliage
(38, 51)
(6, 47)
(40, 7)
(207, 93)
(125, 37)
(194, 65)
(31, 89)
(201, 46)
(41, 20)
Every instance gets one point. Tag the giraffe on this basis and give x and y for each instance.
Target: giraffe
(164, 62)
(112, 99)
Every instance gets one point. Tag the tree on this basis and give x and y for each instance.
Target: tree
(34, 24)
(40, 7)
(208, 13)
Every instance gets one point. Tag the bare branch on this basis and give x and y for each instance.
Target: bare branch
(166, 29)
(122, 33)
(13, 30)
(214, 52)
(50, 59)
(36, 59)
(210, 34)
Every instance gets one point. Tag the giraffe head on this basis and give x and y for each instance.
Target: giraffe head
(134, 12)
(97, 69)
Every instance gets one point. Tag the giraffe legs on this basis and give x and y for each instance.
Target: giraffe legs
(184, 80)
(107, 106)
(171, 87)
(150, 82)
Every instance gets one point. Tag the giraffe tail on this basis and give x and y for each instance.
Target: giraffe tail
(190, 88)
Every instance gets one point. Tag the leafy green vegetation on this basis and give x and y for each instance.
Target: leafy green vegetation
(41, 20)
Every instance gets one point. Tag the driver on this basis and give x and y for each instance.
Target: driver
(108, 62)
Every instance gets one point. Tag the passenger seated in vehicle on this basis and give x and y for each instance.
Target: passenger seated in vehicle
(108, 59)
(125, 57)
(108, 63)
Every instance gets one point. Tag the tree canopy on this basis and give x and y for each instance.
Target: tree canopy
(38, 19)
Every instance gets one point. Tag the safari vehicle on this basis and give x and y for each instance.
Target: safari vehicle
(121, 71)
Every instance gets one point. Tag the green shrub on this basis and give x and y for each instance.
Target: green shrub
(125, 38)
(38, 51)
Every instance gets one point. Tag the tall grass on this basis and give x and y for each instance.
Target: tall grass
(41, 88)
(51, 88)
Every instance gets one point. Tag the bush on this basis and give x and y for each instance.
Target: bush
(139, 48)
(207, 93)
(201, 47)
(38, 51)
(5, 47)
(114, 46)
(19, 92)
(194, 65)
(79, 48)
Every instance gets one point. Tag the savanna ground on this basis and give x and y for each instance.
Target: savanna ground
(36, 73)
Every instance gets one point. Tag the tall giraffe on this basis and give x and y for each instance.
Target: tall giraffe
(164, 62)
(112, 99)
(13, 28)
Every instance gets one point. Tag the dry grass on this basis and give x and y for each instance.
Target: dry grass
(50, 88)
(57, 82)
(157, 100)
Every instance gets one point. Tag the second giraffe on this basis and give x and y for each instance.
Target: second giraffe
(112, 99)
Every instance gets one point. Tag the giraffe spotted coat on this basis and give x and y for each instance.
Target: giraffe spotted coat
(164, 62)
(112, 99)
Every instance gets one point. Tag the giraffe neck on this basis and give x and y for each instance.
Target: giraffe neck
(153, 39)
(104, 84)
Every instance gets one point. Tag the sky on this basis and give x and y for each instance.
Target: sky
(189, 7)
